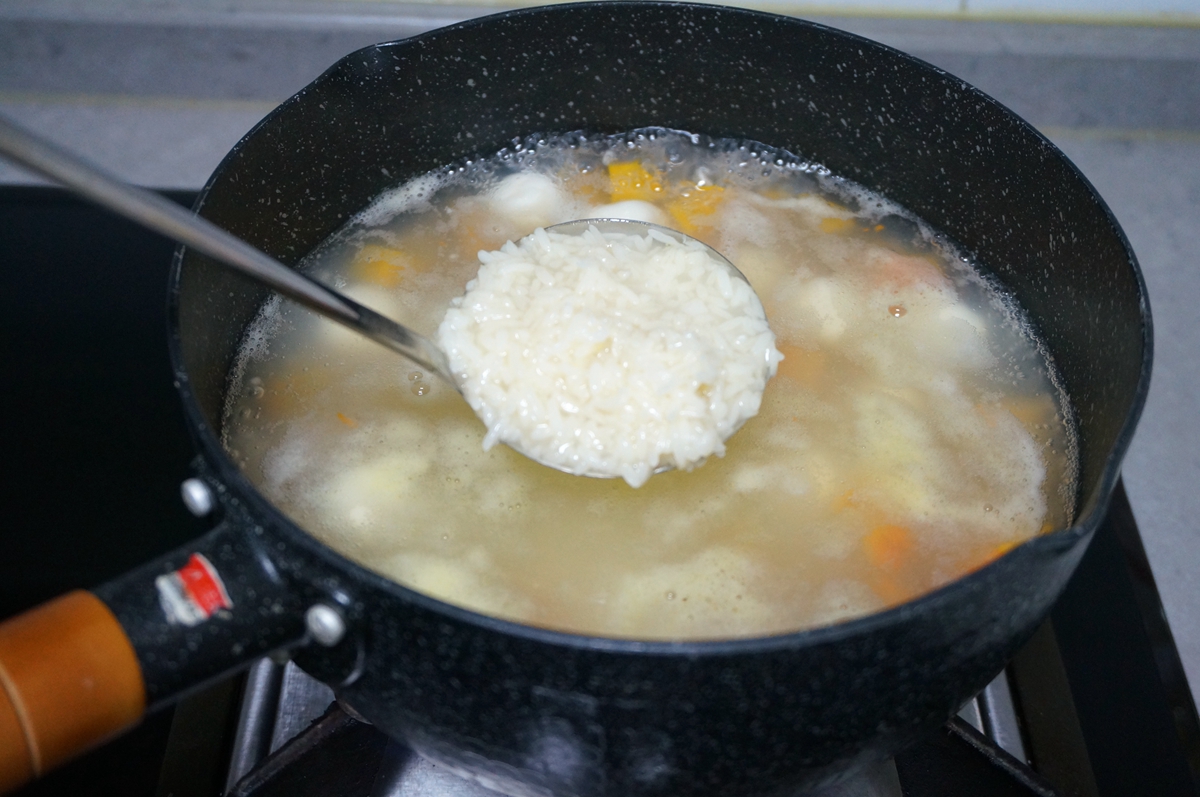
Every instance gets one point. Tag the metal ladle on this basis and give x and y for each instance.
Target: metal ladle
(163, 216)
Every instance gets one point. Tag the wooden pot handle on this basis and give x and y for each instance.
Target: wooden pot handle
(69, 679)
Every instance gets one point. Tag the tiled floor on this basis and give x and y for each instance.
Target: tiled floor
(160, 102)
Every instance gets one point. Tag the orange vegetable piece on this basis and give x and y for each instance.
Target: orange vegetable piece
(806, 366)
(836, 225)
(380, 265)
(693, 201)
(888, 546)
(346, 419)
(632, 180)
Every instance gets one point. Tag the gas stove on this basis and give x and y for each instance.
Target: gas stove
(290, 726)
(1095, 704)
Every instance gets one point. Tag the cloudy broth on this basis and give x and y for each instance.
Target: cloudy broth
(913, 432)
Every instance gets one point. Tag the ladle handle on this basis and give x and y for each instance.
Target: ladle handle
(165, 217)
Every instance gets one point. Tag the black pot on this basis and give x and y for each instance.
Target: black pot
(534, 711)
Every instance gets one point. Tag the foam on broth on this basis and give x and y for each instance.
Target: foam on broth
(912, 434)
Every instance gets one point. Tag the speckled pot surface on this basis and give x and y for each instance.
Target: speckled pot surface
(538, 712)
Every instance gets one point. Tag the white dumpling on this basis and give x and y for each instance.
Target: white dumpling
(528, 200)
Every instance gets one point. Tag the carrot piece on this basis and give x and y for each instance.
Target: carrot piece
(346, 419)
(380, 265)
(836, 225)
(888, 546)
(632, 180)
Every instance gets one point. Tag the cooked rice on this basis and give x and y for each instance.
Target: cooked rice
(609, 354)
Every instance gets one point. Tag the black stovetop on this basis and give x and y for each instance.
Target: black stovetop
(97, 448)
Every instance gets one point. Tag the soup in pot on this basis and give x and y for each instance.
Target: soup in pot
(913, 432)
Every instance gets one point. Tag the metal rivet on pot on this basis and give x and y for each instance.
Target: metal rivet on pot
(197, 497)
(325, 624)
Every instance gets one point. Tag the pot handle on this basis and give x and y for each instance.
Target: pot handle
(85, 666)
(92, 690)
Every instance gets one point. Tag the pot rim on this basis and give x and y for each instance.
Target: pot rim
(1052, 543)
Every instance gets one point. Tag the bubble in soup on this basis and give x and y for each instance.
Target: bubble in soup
(914, 431)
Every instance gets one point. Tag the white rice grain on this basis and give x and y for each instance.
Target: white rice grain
(609, 354)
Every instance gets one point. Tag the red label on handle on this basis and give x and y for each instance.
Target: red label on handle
(204, 586)
(192, 593)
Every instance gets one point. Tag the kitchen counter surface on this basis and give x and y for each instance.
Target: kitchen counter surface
(159, 97)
